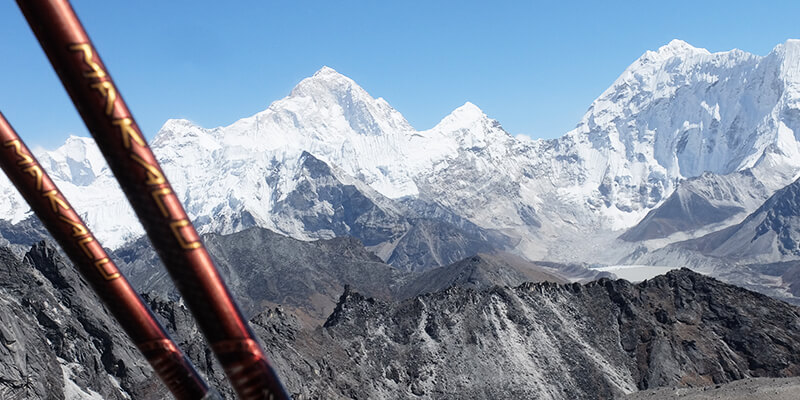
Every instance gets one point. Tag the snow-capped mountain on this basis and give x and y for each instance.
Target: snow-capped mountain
(682, 111)
(79, 170)
(675, 113)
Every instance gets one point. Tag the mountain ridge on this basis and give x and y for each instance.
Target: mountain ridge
(674, 114)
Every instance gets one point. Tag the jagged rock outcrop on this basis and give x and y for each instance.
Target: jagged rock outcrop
(21, 236)
(549, 341)
(536, 340)
(57, 338)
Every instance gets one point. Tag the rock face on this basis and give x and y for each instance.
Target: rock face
(412, 235)
(546, 341)
(536, 340)
(263, 269)
(20, 236)
(703, 202)
(58, 340)
(771, 233)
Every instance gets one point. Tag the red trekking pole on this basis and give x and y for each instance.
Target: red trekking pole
(91, 260)
(105, 114)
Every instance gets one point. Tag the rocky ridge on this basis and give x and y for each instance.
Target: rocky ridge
(547, 341)
(264, 268)
(542, 340)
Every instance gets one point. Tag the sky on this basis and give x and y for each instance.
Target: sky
(534, 66)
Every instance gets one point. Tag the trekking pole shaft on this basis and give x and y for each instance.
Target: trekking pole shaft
(105, 114)
(80, 245)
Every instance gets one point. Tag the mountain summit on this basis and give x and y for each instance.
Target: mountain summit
(673, 114)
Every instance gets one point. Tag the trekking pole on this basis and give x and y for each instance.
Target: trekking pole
(91, 260)
(105, 114)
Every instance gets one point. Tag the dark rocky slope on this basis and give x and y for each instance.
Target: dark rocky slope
(545, 341)
(537, 340)
(700, 202)
(264, 269)
(479, 272)
(553, 341)
(58, 340)
(771, 233)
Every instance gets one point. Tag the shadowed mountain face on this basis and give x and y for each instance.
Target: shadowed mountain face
(322, 203)
(700, 202)
(263, 268)
(771, 233)
(761, 252)
(411, 235)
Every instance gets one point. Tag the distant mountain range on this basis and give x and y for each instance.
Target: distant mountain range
(675, 114)
(375, 259)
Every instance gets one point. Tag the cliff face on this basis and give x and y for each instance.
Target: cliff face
(57, 340)
(544, 341)
(536, 340)
(560, 341)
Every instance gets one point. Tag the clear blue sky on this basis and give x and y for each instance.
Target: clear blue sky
(534, 66)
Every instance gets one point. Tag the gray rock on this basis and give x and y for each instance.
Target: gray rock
(57, 335)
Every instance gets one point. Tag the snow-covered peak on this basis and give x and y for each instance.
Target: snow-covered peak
(326, 70)
(468, 111)
(76, 147)
(470, 128)
(175, 124)
(678, 47)
(325, 79)
(462, 117)
(788, 49)
(78, 160)
(681, 111)
(330, 98)
(788, 54)
(674, 113)
(180, 130)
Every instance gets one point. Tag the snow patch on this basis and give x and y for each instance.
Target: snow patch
(73, 391)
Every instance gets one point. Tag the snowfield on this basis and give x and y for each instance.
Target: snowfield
(673, 114)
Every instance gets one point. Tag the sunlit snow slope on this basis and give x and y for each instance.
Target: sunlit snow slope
(673, 114)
